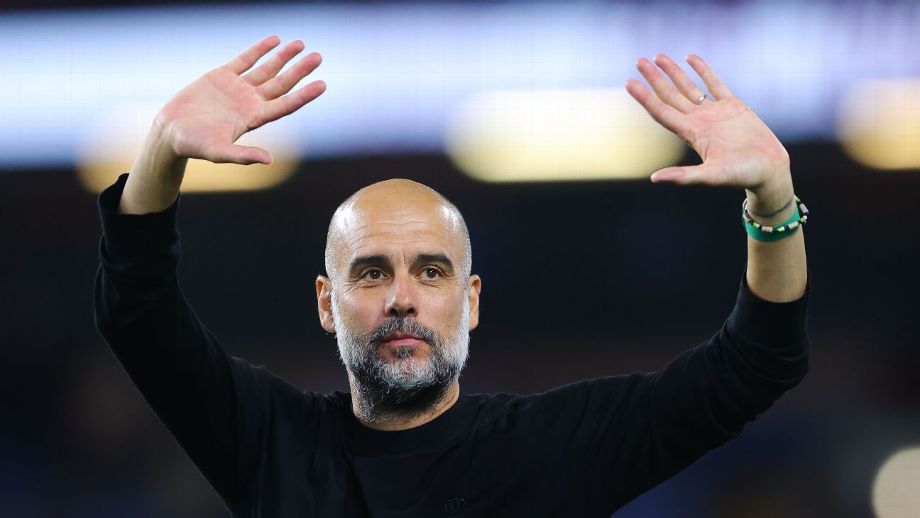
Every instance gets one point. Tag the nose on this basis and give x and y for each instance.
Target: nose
(401, 298)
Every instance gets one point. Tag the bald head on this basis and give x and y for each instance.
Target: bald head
(396, 207)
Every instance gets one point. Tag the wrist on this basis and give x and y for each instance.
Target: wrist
(158, 157)
(772, 202)
(160, 142)
(156, 175)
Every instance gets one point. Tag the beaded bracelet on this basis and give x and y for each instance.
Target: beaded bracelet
(765, 233)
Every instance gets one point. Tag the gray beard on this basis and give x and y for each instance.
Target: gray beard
(401, 388)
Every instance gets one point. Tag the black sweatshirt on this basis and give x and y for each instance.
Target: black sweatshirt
(273, 450)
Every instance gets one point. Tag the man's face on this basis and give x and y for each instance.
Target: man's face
(400, 301)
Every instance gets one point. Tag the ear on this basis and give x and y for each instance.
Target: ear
(473, 300)
(324, 303)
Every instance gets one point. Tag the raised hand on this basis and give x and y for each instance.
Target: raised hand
(737, 148)
(206, 117)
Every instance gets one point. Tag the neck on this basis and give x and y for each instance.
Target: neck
(394, 419)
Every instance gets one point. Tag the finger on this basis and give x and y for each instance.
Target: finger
(290, 103)
(689, 175)
(663, 88)
(267, 70)
(282, 84)
(686, 85)
(248, 58)
(664, 114)
(713, 83)
(235, 154)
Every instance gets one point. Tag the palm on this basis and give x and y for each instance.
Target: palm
(210, 114)
(737, 148)
(215, 109)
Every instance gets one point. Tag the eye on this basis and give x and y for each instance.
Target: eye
(373, 274)
(431, 273)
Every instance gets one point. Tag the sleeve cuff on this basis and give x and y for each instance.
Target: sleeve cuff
(781, 323)
(135, 238)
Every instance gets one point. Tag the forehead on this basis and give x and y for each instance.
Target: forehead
(389, 227)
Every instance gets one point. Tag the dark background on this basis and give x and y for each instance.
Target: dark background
(580, 280)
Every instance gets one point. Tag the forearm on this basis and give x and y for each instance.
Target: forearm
(156, 175)
(173, 359)
(776, 270)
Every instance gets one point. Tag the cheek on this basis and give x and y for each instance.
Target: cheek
(445, 311)
(358, 313)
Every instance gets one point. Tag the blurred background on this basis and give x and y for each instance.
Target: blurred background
(516, 111)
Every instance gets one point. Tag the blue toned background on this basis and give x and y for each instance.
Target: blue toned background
(580, 279)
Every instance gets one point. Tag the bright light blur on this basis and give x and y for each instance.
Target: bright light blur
(397, 72)
(896, 491)
(109, 148)
(880, 124)
(542, 135)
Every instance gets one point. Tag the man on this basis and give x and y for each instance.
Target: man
(401, 299)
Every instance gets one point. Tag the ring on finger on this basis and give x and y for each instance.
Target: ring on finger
(701, 99)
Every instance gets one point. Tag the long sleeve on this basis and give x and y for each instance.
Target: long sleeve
(211, 402)
(622, 435)
(706, 396)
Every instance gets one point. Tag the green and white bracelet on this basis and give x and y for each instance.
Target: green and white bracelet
(766, 233)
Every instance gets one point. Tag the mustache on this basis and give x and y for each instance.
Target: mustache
(403, 325)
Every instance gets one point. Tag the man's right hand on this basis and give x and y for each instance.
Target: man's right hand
(206, 117)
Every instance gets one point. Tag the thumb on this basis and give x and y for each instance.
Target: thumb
(235, 154)
(687, 175)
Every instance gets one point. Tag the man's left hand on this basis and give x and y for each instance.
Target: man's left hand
(737, 148)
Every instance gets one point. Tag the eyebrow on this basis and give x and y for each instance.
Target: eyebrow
(363, 261)
(441, 259)
(367, 260)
